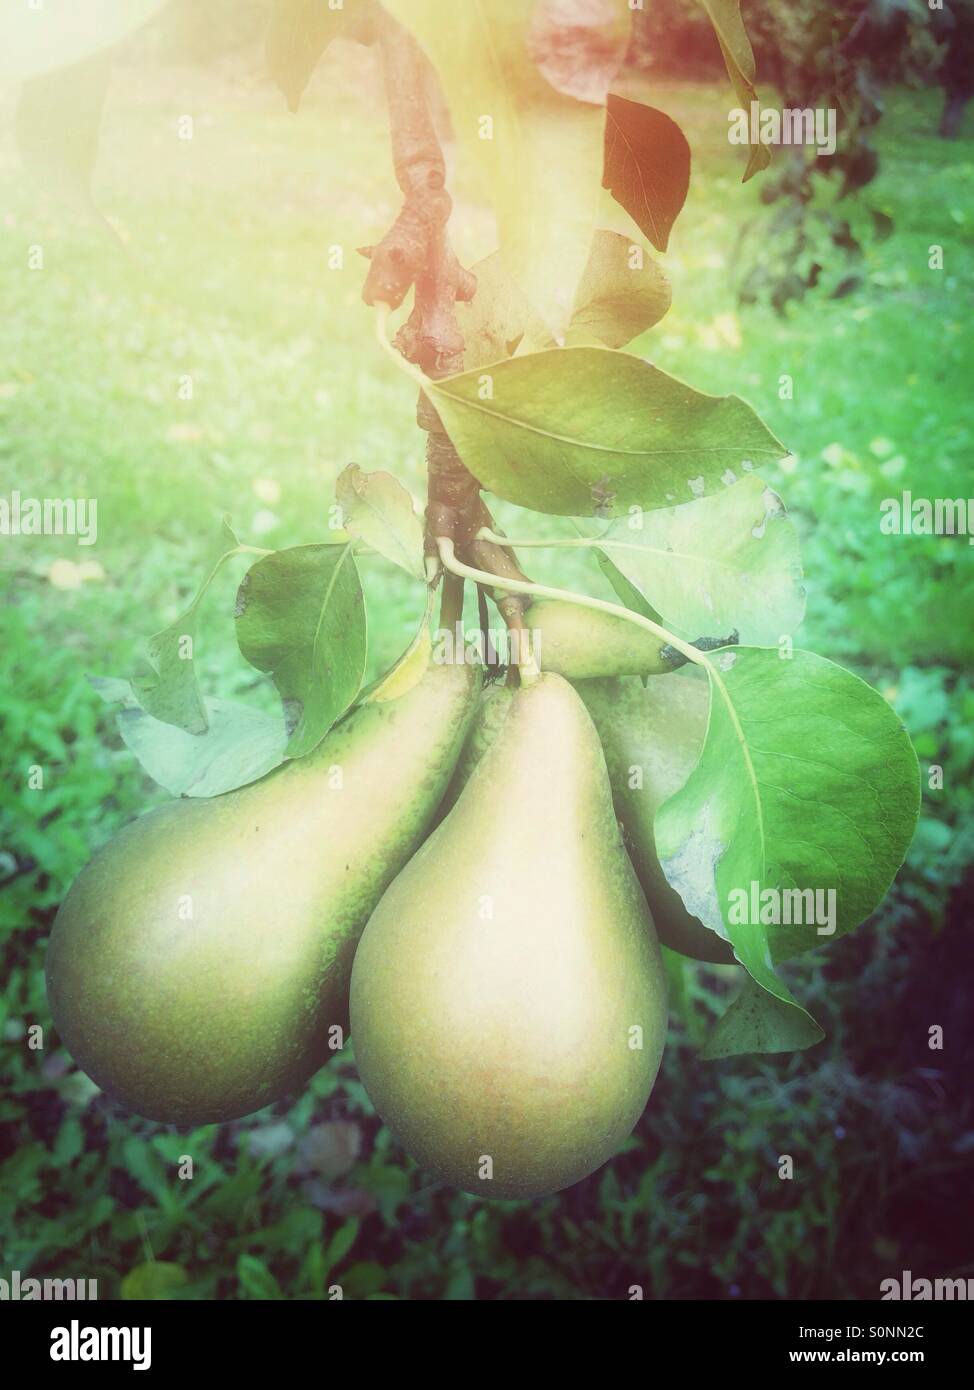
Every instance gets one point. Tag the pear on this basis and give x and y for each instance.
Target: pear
(493, 708)
(584, 643)
(660, 731)
(508, 1002)
(198, 969)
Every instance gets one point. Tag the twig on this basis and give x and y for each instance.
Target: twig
(415, 250)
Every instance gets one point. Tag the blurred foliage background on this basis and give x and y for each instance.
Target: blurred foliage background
(224, 278)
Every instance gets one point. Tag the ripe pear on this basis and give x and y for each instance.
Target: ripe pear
(508, 1001)
(660, 731)
(198, 969)
(584, 643)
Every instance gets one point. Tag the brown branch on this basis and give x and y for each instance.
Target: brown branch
(416, 252)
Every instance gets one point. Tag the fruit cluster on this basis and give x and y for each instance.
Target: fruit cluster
(447, 873)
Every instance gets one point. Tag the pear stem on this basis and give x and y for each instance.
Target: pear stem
(451, 602)
(485, 534)
(451, 563)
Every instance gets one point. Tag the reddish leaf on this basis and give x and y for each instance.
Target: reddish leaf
(647, 166)
(579, 45)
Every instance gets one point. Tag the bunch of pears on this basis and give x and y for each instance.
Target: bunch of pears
(461, 878)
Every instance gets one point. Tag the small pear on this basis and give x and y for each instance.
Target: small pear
(198, 969)
(660, 731)
(584, 643)
(508, 1000)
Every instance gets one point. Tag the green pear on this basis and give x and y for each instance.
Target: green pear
(654, 737)
(198, 969)
(508, 1001)
(584, 643)
(493, 708)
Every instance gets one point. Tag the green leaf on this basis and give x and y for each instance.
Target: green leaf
(621, 294)
(299, 33)
(626, 592)
(256, 1280)
(588, 432)
(57, 127)
(725, 16)
(807, 784)
(379, 511)
(339, 1245)
(301, 617)
(647, 166)
(239, 746)
(166, 684)
(758, 1022)
(154, 1280)
(541, 152)
(34, 40)
(730, 561)
(411, 666)
(70, 1142)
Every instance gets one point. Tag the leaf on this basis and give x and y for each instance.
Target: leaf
(240, 745)
(301, 617)
(269, 1141)
(541, 151)
(37, 39)
(725, 16)
(411, 667)
(330, 1150)
(730, 561)
(621, 294)
(646, 166)
(154, 1280)
(378, 510)
(495, 321)
(579, 45)
(256, 1280)
(758, 1022)
(166, 684)
(588, 432)
(626, 593)
(339, 1245)
(58, 122)
(299, 33)
(807, 782)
